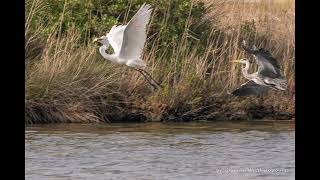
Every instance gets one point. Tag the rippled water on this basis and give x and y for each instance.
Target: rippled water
(264, 150)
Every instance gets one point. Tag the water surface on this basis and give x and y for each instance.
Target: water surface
(251, 150)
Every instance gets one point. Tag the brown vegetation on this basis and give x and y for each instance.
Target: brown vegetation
(68, 82)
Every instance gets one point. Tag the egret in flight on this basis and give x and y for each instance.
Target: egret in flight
(127, 42)
(267, 77)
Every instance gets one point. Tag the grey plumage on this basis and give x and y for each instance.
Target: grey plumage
(268, 75)
(250, 88)
(267, 64)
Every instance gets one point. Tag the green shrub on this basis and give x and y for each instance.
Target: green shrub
(95, 17)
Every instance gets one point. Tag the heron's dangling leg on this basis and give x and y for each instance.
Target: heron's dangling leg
(142, 70)
(139, 70)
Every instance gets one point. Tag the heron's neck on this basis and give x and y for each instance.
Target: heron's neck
(110, 57)
(245, 71)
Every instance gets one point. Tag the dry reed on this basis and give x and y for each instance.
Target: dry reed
(68, 81)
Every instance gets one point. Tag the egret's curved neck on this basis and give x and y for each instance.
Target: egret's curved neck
(245, 71)
(110, 57)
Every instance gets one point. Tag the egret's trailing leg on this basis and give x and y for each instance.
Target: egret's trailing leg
(151, 77)
(137, 69)
(146, 77)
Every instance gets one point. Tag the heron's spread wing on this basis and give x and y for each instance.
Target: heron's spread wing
(250, 88)
(134, 35)
(115, 37)
(268, 65)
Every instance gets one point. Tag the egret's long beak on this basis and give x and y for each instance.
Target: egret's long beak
(96, 40)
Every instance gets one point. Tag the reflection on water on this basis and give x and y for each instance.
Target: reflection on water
(263, 150)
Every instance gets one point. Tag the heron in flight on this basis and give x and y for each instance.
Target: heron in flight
(267, 77)
(127, 42)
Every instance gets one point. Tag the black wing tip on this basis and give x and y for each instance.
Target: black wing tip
(266, 54)
(244, 45)
(261, 51)
(249, 88)
(238, 93)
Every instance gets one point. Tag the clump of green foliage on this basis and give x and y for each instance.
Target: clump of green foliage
(95, 17)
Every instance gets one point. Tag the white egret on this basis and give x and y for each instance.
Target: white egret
(128, 41)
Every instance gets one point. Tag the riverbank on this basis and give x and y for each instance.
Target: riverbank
(67, 80)
(211, 109)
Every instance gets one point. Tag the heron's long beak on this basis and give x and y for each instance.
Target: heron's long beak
(235, 61)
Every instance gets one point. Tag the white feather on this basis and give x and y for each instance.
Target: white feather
(115, 37)
(134, 36)
(128, 40)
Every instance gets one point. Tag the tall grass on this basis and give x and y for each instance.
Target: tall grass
(68, 81)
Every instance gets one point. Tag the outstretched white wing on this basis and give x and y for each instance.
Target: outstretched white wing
(115, 37)
(134, 35)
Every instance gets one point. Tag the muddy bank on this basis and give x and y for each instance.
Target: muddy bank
(252, 113)
(210, 109)
(229, 109)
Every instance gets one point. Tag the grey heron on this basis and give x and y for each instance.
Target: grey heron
(128, 41)
(267, 77)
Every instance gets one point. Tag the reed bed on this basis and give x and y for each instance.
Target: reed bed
(68, 81)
